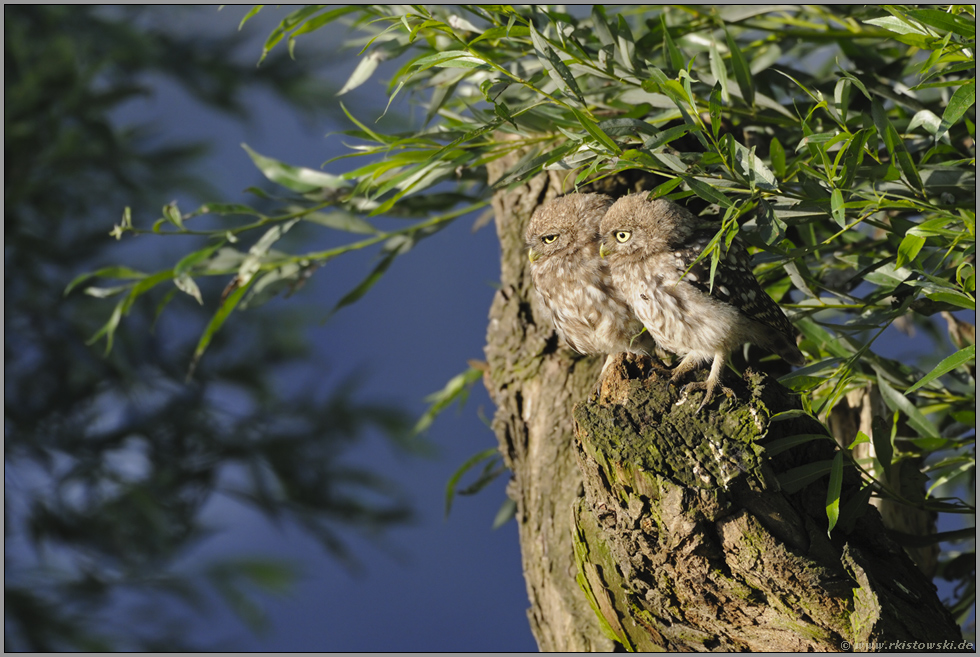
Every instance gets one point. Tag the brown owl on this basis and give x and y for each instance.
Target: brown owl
(651, 247)
(572, 279)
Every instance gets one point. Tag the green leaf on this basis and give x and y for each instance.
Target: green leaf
(854, 509)
(796, 479)
(743, 75)
(894, 144)
(316, 23)
(596, 132)
(752, 167)
(897, 25)
(783, 444)
(227, 305)
(625, 45)
(187, 285)
(708, 193)
(777, 157)
(362, 72)
(448, 59)
(859, 439)
(366, 284)
(909, 249)
(601, 26)
(251, 12)
(674, 54)
(898, 402)
(664, 137)
(188, 262)
(297, 179)
(506, 511)
(341, 220)
(627, 127)
(105, 272)
(109, 328)
(793, 414)
(954, 299)
(720, 73)
(946, 22)
(463, 469)
(833, 491)
(837, 207)
(947, 364)
(456, 389)
(172, 214)
(962, 100)
(714, 105)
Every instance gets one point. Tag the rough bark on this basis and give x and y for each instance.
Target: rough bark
(687, 538)
(678, 536)
(535, 384)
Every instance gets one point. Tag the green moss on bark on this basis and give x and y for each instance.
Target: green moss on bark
(687, 542)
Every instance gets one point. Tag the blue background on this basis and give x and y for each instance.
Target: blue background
(441, 584)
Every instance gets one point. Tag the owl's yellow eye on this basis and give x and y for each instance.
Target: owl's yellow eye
(548, 239)
(623, 236)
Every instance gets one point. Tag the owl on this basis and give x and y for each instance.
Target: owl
(651, 247)
(573, 282)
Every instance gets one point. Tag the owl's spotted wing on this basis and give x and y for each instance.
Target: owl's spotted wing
(734, 282)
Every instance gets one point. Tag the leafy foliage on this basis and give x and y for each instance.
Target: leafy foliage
(110, 463)
(838, 141)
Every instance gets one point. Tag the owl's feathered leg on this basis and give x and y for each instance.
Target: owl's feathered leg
(602, 375)
(691, 361)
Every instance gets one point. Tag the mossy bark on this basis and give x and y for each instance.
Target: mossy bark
(645, 526)
(688, 527)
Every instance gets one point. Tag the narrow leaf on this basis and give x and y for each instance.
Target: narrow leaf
(228, 305)
(506, 511)
(674, 54)
(837, 207)
(463, 469)
(596, 132)
(909, 249)
(743, 75)
(298, 179)
(708, 193)
(948, 364)
(365, 285)
(105, 272)
(362, 72)
(833, 491)
(782, 444)
(796, 479)
(898, 402)
(962, 100)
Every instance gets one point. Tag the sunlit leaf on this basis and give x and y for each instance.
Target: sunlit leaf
(946, 365)
(298, 179)
(963, 99)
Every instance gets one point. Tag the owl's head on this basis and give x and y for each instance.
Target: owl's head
(565, 225)
(635, 225)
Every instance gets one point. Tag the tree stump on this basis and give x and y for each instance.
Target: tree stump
(691, 535)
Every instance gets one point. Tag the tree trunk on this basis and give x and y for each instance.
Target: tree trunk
(682, 534)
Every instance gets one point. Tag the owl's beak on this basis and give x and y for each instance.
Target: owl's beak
(602, 250)
(532, 255)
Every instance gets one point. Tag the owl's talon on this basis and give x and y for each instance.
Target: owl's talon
(709, 392)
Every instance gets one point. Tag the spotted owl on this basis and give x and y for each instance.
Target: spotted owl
(572, 280)
(651, 247)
